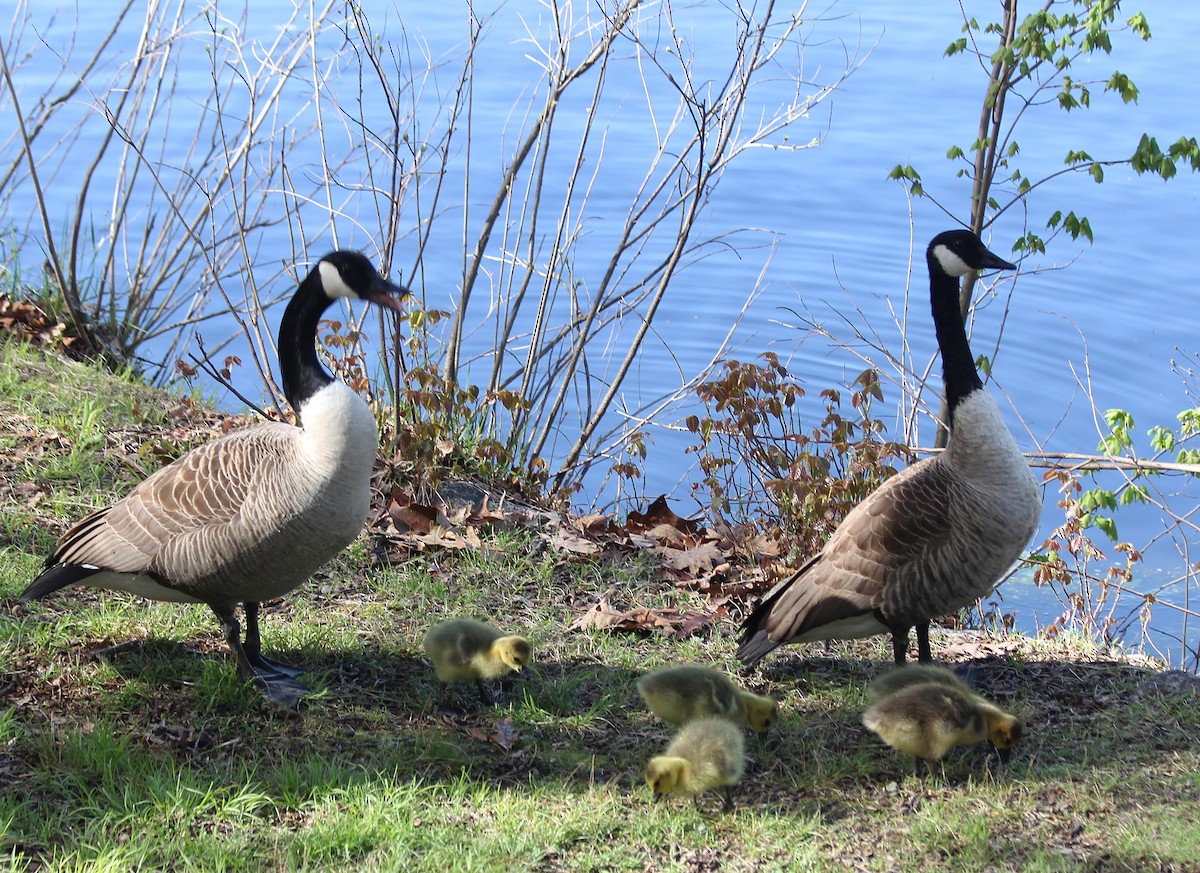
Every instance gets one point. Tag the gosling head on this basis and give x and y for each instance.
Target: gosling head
(515, 652)
(762, 713)
(1005, 732)
(664, 773)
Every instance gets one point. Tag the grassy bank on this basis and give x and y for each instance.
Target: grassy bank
(126, 741)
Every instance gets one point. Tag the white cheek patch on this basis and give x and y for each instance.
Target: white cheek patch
(950, 262)
(333, 283)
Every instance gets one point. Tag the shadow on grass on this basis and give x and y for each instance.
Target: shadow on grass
(571, 725)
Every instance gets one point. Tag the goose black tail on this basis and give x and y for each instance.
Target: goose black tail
(54, 578)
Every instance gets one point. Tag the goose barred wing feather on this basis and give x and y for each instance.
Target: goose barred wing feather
(176, 525)
(884, 557)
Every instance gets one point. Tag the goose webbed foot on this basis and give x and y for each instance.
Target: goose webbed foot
(729, 804)
(275, 681)
(283, 690)
(263, 665)
(485, 695)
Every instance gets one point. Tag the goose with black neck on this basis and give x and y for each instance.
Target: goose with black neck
(936, 536)
(250, 515)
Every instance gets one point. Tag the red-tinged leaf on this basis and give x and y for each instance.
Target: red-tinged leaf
(484, 515)
(659, 513)
(692, 622)
(412, 517)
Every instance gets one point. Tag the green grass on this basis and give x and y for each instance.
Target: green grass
(126, 741)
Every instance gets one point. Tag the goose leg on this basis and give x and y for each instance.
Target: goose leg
(484, 694)
(900, 644)
(253, 646)
(924, 655)
(275, 686)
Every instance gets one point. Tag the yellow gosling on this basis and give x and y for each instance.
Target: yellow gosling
(707, 753)
(464, 650)
(1004, 730)
(679, 695)
(900, 678)
(928, 720)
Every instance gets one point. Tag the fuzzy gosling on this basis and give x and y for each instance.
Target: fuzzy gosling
(707, 753)
(899, 678)
(927, 720)
(1004, 730)
(464, 650)
(687, 692)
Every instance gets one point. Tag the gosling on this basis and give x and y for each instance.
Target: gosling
(929, 719)
(463, 650)
(900, 678)
(707, 753)
(1004, 731)
(682, 694)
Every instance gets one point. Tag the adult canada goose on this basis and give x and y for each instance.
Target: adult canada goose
(465, 650)
(250, 515)
(687, 692)
(929, 719)
(933, 538)
(707, 753)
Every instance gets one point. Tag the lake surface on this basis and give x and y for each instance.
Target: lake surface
(1121, 316)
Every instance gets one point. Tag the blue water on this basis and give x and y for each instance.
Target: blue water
(833, 235)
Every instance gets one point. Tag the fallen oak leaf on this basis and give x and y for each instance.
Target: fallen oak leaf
(674, 622)
(596, 524)
(565, 540)
(506, 735)
(599, 615)
(698, 560)
(659, 513)
(410, 517)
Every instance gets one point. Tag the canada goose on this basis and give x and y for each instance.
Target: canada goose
(706, 753)
(464, 650)
(250, 515)
(927, 720)
(681, 694)
(933, 538)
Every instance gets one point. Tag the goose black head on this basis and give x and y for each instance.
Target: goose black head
(958, 252)
(340, 274)
(350, 274)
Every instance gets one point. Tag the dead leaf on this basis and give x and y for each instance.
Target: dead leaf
(565, 540)
(506, 735)
(676, 623)
(699, 560)
(596, 524)
(659, 513)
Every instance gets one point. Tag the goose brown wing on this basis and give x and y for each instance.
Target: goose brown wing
(203, 490)
(882, 546)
